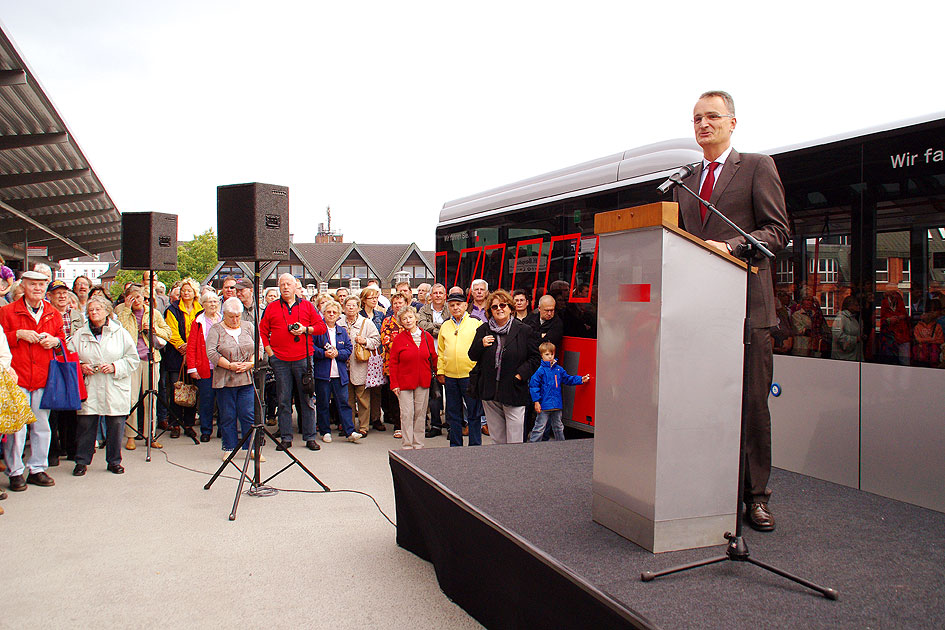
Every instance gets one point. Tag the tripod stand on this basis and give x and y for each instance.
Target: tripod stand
(737, 550)
(256, 435)
(149, 396)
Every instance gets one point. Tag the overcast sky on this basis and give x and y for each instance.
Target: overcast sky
(385, 110)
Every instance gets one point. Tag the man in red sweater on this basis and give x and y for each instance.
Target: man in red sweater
(33, 328)
(287, 328)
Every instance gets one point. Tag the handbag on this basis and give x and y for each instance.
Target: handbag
(375, 370)
(361, 353)
(62, 384)
(308, 379)
(185, 393)
(15, 409)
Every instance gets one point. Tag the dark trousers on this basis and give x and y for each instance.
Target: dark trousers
(183, 416)
(85, 447)
(758, 433)
(62, 434)
(325, 390)
(456, 400)
(162, 396)
(289, 379)
(270, 395)
(205, 401)
(391, 406)
(435, 419)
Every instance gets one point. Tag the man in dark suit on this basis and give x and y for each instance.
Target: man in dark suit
(747, 189)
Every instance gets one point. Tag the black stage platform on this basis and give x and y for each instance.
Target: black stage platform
(509, 532)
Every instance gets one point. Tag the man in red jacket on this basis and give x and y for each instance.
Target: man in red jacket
(33, 328)
(287, 328)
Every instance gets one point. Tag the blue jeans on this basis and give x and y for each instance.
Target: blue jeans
(546, 416)
(235, 403)
(206, 398)
(455, 390)
(324, 390)
(289, 377)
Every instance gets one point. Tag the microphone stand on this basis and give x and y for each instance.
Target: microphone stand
(737, 550)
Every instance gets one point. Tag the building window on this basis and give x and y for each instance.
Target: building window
(785, 271)
(828, 302)
(906, 270)
(416, 271)
(826, 270)
(882, 270)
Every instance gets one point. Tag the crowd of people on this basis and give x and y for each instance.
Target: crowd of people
(471, 362)
(896, 335)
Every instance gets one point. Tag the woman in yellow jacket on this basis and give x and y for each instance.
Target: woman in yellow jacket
(179, 316)
(453, 366)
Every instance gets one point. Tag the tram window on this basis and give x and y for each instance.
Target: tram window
(811, 298)
(527, 266)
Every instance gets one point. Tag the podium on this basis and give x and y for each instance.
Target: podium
(671, 312)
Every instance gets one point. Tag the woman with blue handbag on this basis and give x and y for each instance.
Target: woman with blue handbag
(108, 356)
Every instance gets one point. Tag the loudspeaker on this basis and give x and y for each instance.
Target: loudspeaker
(149, 241)
(252, 222)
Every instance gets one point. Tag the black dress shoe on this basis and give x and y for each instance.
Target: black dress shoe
(285, 444)
(204, 437)
(53, 460)
(18, 483)
(40, 479)
(79, 470)
(759, 517)
(312, 445)
(118, 469)
(189, 432)
(432, 433)
(379, 426)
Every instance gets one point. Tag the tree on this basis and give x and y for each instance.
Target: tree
(195, 259)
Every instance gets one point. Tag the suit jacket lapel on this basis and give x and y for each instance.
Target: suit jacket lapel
(725, 178)
(687, 203)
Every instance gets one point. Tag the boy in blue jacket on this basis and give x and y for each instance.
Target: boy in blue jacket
(545, 387)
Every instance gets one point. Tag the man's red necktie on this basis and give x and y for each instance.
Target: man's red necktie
(706, 191)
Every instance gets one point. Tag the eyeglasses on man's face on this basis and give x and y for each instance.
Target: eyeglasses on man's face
(711, 117)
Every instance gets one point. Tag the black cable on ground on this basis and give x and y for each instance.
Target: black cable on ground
(267, 491)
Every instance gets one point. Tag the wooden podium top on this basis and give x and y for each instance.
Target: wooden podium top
(661, 214)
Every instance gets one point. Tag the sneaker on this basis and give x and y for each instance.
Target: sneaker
(398, 434)
(326, 438)
(354, 437)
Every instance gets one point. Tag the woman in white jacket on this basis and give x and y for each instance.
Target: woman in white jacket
(108, 357)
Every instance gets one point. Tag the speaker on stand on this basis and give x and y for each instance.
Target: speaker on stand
(253, 225)
(148, 243)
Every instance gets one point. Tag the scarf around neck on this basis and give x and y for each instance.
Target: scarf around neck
(500, 333)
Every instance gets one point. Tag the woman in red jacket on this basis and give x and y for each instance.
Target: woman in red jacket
(412, 362)
(198, 365)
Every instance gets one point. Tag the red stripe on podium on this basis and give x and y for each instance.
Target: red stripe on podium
(634, 293)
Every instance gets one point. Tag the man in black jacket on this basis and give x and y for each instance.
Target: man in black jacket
(545, 322)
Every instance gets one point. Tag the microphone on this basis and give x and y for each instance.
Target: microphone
(676, 178)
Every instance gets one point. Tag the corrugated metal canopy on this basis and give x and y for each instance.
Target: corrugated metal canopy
(47, 187)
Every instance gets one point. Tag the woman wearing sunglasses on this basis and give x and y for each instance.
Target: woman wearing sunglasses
(506, 355)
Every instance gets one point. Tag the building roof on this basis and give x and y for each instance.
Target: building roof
(47, 186)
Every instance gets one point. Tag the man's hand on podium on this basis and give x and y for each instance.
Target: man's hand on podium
(719, 245)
